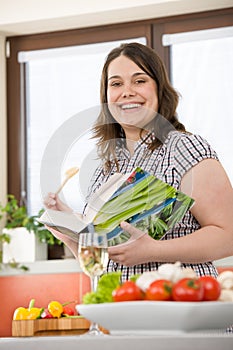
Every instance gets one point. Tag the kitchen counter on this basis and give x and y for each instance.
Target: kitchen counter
(137, 342)
(42, 267)
(72, 265)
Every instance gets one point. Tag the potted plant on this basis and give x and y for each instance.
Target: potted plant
(55, 246)
(23, 238)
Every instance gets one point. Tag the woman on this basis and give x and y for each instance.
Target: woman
(138, 127)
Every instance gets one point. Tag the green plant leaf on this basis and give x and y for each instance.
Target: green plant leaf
(16, 215)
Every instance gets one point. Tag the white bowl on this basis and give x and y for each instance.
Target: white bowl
(159, 317)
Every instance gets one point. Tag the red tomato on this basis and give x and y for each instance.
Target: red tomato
(159, 290)
(128, 291)
(68, 310)
(212, 288)
(188, 289)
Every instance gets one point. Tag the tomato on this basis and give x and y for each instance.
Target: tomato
(67, 310)
(188, 289)
(128, 291)
(212, 288)
(159, 290)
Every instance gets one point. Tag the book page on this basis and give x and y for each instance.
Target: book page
(103, 194)
(71, 221)
(67, 223)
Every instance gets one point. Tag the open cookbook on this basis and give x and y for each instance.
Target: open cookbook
(138, 197)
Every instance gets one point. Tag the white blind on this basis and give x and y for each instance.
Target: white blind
(72, 51)
(207, 34)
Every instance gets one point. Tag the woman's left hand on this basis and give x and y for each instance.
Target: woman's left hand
(70, 243)
(137, 250)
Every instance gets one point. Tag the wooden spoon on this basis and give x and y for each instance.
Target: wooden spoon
(69, 174)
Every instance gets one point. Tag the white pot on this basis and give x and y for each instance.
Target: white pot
(24, 246)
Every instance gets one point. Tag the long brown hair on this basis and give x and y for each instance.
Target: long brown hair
(107, 130)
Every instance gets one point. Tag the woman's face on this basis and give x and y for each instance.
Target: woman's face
(131, 94)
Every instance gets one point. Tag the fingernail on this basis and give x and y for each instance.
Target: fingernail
(123, 224)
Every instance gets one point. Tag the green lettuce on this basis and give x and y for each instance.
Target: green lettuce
(107, 283)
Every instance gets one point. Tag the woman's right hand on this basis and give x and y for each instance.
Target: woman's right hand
(52, 201)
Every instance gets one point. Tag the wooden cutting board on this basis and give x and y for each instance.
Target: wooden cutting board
(44, 327)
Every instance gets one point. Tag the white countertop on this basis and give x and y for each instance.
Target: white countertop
(70, 266)
(44, 267)
(210, 341)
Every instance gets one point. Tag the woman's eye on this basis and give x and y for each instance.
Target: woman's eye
(140, 81)
(115, 83)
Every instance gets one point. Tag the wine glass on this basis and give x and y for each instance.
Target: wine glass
(93, 259)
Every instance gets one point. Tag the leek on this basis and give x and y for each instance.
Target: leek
(149, 204)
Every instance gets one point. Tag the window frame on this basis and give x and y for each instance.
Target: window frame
(152, 29)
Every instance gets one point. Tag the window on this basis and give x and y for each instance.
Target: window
(201, 66)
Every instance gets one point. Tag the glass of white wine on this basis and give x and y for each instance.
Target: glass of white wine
(93, 259)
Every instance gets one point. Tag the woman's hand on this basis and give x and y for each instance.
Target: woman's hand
(70, 243)
(52, 201)
(137, 250)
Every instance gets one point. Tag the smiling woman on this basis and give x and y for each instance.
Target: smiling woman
(163, 147)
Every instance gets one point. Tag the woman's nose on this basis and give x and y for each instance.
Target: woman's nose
(128, 91)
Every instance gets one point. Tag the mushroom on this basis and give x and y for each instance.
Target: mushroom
(226, 295)
(188, 272)
(144, 281)
(174, 272)
(170, 272)
(225, 279)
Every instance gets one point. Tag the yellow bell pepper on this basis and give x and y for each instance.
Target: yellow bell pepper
(30, 313)
(34, 313)
(20, 314)
(55, 308)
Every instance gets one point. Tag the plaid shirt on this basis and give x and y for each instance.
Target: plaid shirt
(169, 162)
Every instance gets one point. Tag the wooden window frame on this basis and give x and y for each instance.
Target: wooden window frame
(152, 29)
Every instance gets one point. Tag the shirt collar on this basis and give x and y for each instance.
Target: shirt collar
(143, 142)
